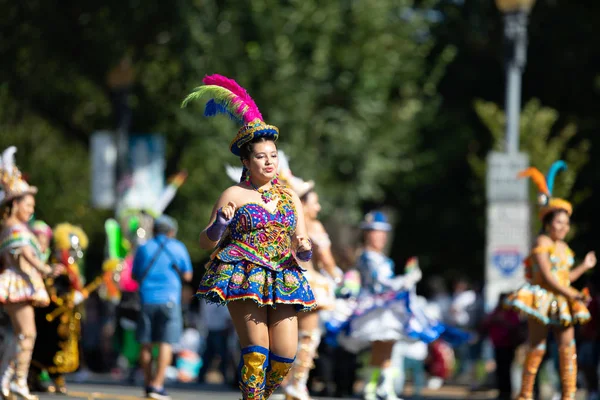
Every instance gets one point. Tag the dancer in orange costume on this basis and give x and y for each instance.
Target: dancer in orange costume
(547, 297)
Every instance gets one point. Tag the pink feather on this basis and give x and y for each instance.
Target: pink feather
(241, 96)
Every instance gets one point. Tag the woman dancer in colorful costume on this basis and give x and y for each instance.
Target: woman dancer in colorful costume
(258, 230)
(57, 351)
(323, 286)
(547, 297)
(382, 312)
(21, 281)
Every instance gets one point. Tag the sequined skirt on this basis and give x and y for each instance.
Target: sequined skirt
(547, 307)
(23, 285)
(243, 280)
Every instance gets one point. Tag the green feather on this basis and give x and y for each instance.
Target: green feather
(221, 95)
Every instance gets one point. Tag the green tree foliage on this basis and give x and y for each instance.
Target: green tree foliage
(350, 84)
(41, 152)
(346, 83)
(537, 124)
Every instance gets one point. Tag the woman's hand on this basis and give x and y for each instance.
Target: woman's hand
(222, 220)
(57, 269)
(303, 248)
(303, 244)
(575, 295)
(590, 260)
(227, 212)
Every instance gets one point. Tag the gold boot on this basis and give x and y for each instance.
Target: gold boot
(533, 359)
(567, 356)
(276, 372)
(252, 372)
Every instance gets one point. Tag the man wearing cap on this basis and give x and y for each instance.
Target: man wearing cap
(160, 265)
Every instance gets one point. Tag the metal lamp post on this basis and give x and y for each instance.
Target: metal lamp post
(515, 35)
(508, 211)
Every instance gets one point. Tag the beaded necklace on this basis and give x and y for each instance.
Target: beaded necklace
(266, 195)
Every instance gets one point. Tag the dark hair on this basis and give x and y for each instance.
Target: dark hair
(247, 149)
(305, 196)
(549, 217)
(7, 207)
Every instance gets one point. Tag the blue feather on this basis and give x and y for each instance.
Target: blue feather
(213, 108)
(556, 166)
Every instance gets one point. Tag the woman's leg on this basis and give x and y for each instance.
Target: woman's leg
(381, 354)
(535, 354)
(567, 356)
(250, 323)
(309, 339)
(418, 373)
(283, 336)
(22, 318)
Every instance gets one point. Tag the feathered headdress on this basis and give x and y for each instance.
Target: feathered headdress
(546, 186)
(70, 242)
(13, 185)
(227, 97)
(234, 173)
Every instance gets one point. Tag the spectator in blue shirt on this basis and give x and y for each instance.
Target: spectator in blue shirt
(160, 266)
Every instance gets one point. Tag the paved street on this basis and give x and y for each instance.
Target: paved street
(120, 392)
(116, 391)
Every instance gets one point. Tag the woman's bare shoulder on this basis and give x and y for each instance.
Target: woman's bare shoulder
(239, 194)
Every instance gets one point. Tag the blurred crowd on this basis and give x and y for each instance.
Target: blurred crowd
(208, 352)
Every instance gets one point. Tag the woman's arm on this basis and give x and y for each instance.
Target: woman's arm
(300, 242)
(542, 259)
(588, 263)
(29, 255)
(221, 215)
(324, 254)
(371, 266)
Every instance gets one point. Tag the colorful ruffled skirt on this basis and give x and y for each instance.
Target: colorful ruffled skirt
(25, 284)
(547, 307)
(356, 323)
(243, 280)
(387, 317)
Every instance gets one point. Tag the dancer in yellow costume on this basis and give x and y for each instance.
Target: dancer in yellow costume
(547, 298)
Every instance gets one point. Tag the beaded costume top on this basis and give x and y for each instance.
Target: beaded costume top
(561, 266)
(15, 237)
(260, 236)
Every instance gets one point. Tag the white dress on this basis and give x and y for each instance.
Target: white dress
(381, 310)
